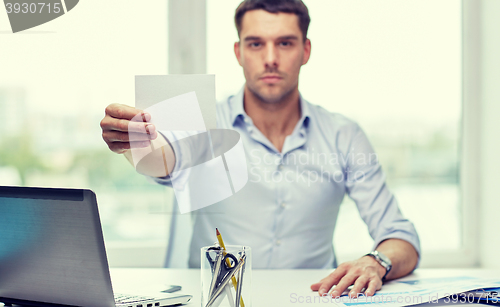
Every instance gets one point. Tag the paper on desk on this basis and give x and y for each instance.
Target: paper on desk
(416, 291)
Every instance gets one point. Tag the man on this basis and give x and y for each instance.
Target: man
(287, 218)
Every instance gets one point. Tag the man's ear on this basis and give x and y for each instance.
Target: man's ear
(237, 52)
(307, 51)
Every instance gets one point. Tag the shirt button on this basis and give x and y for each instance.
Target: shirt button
(283, 205)
(280, 167)
(278, 242)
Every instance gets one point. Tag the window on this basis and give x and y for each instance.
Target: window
(395, 68)
(56, 79)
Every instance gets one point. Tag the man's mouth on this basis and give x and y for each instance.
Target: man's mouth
(271, 79)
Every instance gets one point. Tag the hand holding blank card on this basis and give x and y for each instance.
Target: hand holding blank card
(210, 163)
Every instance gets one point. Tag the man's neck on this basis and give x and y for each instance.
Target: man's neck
(277, 120)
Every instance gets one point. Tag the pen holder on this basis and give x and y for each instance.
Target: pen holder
(226, 276)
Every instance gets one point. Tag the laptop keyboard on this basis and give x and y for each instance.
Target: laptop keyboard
(133, 299)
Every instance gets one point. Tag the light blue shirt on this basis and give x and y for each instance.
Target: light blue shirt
(288, 209)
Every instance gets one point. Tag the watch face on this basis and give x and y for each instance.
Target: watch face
(384, 258)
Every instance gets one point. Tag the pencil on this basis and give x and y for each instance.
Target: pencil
(233, 279)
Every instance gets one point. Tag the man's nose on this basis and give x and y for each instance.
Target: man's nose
(271, 56)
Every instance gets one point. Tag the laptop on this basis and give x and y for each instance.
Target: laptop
(52, 252)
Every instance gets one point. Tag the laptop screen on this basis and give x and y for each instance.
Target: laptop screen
(52, 248)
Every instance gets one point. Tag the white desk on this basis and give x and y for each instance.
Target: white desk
(270, 287)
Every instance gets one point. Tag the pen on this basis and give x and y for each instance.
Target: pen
(233, 279)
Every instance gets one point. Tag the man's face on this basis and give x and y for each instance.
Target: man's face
(271, 51)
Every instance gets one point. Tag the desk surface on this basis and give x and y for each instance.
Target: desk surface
(270, 287)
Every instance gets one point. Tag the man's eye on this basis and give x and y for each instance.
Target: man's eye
(285, 44)
(254, 45)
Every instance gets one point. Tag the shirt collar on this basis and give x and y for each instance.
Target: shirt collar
(237, 109)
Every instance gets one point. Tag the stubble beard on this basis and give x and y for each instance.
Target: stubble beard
(272, 99)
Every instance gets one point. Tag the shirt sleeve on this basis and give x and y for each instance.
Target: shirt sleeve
(190, 148)
(365, 184)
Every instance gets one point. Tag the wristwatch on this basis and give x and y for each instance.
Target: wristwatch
(383, 260)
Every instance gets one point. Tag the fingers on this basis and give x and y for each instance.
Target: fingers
(121, 111)
(118, 136)
(350, 273)
(345, 282)
(124, 125)
(124, 118)
(332, 279)
(374, 285)
(359, 284)
(119, 142)
(316, 286)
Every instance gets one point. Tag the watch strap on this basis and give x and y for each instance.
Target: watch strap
(387, 265)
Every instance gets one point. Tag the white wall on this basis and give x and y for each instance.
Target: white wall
(490, 134)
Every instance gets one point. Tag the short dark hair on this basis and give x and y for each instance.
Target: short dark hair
(296, 7)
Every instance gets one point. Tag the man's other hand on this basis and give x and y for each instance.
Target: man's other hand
(364, 273)
(117, 128)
